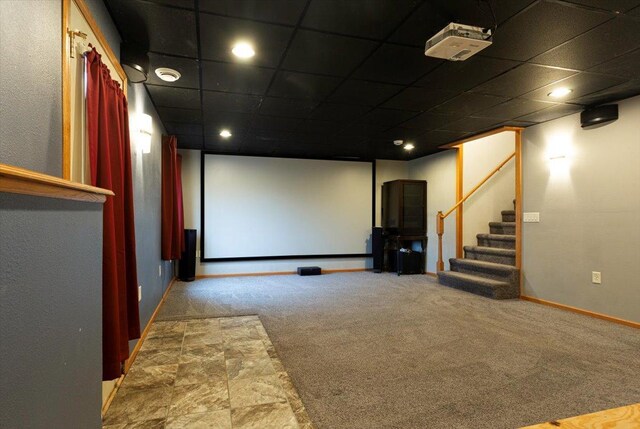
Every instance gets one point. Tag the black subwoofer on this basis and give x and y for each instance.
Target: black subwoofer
(187, 264)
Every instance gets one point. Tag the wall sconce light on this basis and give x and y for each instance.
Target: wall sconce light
(144, 132)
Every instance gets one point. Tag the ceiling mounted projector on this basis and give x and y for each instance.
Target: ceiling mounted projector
(457, 42)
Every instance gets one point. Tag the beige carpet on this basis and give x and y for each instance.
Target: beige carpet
(372, 350)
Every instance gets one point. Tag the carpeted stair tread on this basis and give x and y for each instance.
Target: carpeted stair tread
(490, 250)
(478, 285)
(491, 254)
(508, 215)
(483, 265)
(506, 228)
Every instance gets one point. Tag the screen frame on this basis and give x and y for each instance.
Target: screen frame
(203, 257)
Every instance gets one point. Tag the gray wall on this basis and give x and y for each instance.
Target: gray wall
(30, 111)
(589, 204)
(50, 276)
(50, 313)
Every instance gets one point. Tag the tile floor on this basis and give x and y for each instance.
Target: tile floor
(207, 373)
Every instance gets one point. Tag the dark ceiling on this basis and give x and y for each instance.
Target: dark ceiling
(344, 78)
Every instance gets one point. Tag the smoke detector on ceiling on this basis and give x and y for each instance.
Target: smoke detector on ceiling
(398, 142)
(457, 42)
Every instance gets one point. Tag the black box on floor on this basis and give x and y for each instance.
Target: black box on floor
(409, 263)
(309, 271)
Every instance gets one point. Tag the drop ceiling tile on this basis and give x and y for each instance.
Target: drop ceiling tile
(419, 99)
(436, 138)
(400, 133)
(184, 4)
(472, 124)
(609, 5)
(226, 102)
(364, 18)
(550, 113)
(315, 126)
(303, 85)
(218, 35)
(609, 40)
(429, 121)
(188, 68)
(164, 96)
(634, 12)
(364, 129)
(516, 123)
(321, 53)
(190, 142)
(387, 117)
(396, 64)
(139, 21)
(421, 25)
(464, 75)
(625, 66)
(237, 123)
(467, 104)
(275, 123)
(355, 91)
(287, 107)
(522, 79)
(277, 11)
(339, 112)
(540, 28)
(513, 108)
(185, 129)
(229, 77)
(581, 84)
(190, 116)
(628, 89)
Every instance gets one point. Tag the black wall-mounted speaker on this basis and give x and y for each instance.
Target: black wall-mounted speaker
(599, 115)
(135, 62)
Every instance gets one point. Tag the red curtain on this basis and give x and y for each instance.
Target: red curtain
(172, 210)
(110, 164)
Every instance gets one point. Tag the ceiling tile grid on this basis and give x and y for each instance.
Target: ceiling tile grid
(334, 78)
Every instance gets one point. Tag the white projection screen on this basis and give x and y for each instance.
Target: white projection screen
(281, 208)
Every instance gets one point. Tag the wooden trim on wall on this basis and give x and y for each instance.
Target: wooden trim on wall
(459, 196)
(518, 205)
(66, 95)
(582, 311)
(18, 180)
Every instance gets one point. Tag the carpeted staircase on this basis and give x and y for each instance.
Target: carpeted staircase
(488, 269)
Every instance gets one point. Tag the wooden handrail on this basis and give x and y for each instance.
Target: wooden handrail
(441, 217)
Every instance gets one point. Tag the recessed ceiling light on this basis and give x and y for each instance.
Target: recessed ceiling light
(225, 134)
(167, 74)
(243, 50)
(398, 142)
(408, 146)
(560, 92)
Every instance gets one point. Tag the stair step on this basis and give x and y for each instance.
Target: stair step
(508, 215)
(491, 254)
(501, 241)
(478, 285)
(507, 228)
(490, 270)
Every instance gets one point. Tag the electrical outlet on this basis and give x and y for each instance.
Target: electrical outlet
(531, 217)
(160, 270)
(139, 293)
(596, 277)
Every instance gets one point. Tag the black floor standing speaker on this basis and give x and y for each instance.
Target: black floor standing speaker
(377, 249)
(187, 266)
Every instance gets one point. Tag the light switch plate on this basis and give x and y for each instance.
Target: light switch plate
(531, 217)
(139, 293)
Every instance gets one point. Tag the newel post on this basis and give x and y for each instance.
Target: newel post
(440, 231)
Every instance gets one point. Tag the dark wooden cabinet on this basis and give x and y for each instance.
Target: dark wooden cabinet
(404, 207)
